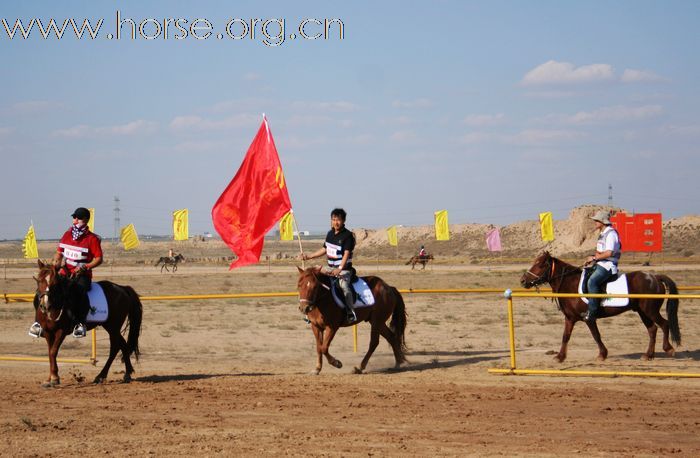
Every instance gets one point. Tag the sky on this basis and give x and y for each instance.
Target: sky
(492, 110)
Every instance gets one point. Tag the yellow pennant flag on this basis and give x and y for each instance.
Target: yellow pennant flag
(393, 236)
(180, 225)
(91, 223)
(29, 244)
(442, 230)
(129, 237)
(547, 226)
(286, 229)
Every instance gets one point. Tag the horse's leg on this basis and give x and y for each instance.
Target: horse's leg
(656, 317)
(602, 351)
(54, 342)
(328, 335)
(373, 342)
(568, 329)
(390, 337)
(651, 329)
(129, 369)
(318, 334)
(113, 350)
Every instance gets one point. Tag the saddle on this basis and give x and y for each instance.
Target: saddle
(99, 311)
(617, 284)
(361, 293)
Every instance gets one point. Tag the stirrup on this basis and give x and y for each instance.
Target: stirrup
(79, 331)
(35, 330)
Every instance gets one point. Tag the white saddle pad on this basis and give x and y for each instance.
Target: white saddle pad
(618, 286)
(98, 305)
(365, 298)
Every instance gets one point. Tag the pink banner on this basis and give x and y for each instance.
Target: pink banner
(493, 240)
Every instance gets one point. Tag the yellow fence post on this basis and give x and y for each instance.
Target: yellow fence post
(511, 328)
(354, 338)
(93, 354)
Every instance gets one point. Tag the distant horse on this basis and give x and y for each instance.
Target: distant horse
(419, 260)
(316, 301)
(55, 294)
(564, 278)
(170, 261)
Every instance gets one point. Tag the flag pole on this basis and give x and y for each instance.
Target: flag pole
(301, 249)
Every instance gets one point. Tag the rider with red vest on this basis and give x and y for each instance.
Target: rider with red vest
(78, 252)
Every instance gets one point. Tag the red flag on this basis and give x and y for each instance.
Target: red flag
(253, 201)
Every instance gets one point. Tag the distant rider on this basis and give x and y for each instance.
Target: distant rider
(604, 261)
(78, 252)
(338, 247)
(422, 254)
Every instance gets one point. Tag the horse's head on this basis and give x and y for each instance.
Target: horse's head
(180, 258)
(51, 291)
(309, 286)
(540, 272)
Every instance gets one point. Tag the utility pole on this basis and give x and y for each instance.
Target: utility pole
(610, 199)
(117, 223)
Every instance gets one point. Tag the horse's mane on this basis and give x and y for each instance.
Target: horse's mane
(565, 265)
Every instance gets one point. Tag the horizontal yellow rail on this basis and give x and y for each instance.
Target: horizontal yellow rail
(592, 373)
(517, 292)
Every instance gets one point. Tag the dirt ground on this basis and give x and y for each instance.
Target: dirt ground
(225, 377)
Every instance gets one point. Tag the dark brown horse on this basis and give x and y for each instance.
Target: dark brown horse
(170, 261)
(316, 301)
(55, 294)
(564, 278)
(419, 260)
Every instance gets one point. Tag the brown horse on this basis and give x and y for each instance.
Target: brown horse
(56, 292)
(316, 301)
(419, 260)
(564, 278)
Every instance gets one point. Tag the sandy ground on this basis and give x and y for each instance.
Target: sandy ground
(223, 377)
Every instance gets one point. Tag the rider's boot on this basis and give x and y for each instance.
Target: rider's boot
(35, 330)
(349, 311)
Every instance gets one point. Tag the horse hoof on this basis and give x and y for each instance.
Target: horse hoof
(315, 371)
(356, 370)
(671, 352)
(337, 364)
(127, 379)
(559, 359)
(50, 383)
(600, 358)
(647, 358)
(98, 380)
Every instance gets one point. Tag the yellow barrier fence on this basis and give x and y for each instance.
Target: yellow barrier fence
(513, 370)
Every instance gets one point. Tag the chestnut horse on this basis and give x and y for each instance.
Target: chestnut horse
(419, 260)
(316, 301)
(56, 292)
(564, 278)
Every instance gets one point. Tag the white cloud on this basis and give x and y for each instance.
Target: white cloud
(688, 129)
(476, 137)
(198, 123)
(138, 127)
(484, 119)
(339, 106)
(553, 72)
(640, 76)
(618, 113)
(543, 136)
(403, 136)
(252, 76)
(34, 107)
(413, 104)
(5, 131)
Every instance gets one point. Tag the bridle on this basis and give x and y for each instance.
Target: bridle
(307, 305)
(43, 298)
(544, 277)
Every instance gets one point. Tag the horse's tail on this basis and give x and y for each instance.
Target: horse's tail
(671, 308)
(409, 261)
(135, 318)
(398, 321)
(158, 262)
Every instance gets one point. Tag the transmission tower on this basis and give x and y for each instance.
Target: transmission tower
(610, 199)
(117, 223)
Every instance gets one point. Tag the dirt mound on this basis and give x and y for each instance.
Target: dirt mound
(572, 236)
